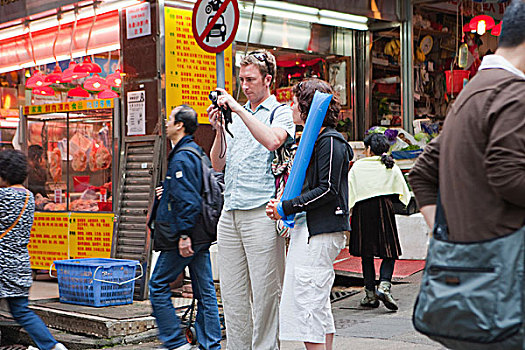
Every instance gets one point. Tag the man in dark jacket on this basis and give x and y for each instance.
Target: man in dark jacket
(478, 161)
(180, 242)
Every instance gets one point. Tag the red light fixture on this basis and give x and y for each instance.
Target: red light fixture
(70, 75)
(55, 77)
(481, 24)
(108, 93)
(95, 83)
(44, 91)
(37, 80)
(77, 92)
(114, 79)
(87, 67)
(496, 31)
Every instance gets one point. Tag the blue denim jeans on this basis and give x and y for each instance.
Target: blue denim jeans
(207, 324)
(33, 325)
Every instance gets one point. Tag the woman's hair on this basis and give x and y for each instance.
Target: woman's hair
(35, 153)
(304, 92)
(13, 166)
(379, 146)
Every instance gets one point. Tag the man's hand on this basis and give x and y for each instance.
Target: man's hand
(227, 100)
(185, 247)
(214, 116)
(158, 191)
(271, 209)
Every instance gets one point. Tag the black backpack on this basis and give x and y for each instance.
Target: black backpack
(212, 194)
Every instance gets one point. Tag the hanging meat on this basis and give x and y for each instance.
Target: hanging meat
(79, 162)
(99, 157)
(55, 165)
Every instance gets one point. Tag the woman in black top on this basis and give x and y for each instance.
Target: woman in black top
(318, 237)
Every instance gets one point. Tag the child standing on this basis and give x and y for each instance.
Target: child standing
(373, 182)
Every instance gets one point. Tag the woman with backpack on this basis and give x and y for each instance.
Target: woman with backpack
(318, 236)
(374, 182)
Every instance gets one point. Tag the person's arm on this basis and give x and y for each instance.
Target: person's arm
(505, 153)
(184, 191)
(330, 158)
(219, 143)
(271, 138)
(424, 179)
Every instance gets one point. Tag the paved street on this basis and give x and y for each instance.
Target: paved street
(359, 328)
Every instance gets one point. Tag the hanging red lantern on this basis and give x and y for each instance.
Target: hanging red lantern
(78, 92)
(107, 94)
(55, 77)
(44, 91)
(95, 83)
(69, 74)
(114, 79)
(496, 31)
(87, 67)
(37, 80)
(481, 24)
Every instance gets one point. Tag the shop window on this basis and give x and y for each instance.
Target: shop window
(71, 161)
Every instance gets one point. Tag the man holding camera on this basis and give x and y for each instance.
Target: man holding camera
(251, 254)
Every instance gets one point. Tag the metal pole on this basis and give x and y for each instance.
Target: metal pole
(407, 66)
(219, 69)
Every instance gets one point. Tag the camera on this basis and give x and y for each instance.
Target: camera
(225, 110)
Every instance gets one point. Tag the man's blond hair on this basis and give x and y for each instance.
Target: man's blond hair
(263, 60)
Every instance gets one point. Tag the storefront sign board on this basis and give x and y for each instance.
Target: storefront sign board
(49, 239)
(136, 117)
(190, 71)
(215, 23)
(138, 20)
(68, 106)
(90, 235)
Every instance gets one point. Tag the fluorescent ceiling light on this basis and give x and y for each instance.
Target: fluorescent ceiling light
(306, 14)
(67, 17)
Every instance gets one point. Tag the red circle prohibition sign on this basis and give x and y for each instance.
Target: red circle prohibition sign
(199, 38)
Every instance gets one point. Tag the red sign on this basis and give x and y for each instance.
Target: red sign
(214, 24)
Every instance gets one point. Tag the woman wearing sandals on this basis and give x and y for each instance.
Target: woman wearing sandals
(373, 183)
(305, 313)
(17, 207)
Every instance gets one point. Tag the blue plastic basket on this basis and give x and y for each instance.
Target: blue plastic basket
(96, 282)
(406, 154)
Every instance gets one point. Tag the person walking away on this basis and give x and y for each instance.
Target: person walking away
(374, 182)
(305, 312)
(250, 253)
(17, 207)
(181, 242)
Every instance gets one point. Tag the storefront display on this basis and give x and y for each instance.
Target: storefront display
(72, 159)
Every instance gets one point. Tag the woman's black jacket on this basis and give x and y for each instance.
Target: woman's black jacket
(326, 201)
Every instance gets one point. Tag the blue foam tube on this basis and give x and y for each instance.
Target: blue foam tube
(295, 182)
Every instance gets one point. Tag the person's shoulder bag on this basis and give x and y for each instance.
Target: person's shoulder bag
(472, 294)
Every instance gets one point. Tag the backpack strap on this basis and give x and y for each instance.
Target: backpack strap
(272, 115)
(204, 159)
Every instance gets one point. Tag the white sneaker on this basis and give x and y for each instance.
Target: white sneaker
(59, 346)
(32, 348)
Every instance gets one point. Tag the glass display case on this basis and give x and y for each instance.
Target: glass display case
(71, 156)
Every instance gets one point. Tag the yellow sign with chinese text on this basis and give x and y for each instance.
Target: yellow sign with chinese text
(90, 235)
(69, 106)
(190, 71)
(49, 239)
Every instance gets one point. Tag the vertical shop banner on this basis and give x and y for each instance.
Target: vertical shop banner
(49, 239)
(138, 20)
(136, 118)
(90, 235)
(190, 71)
